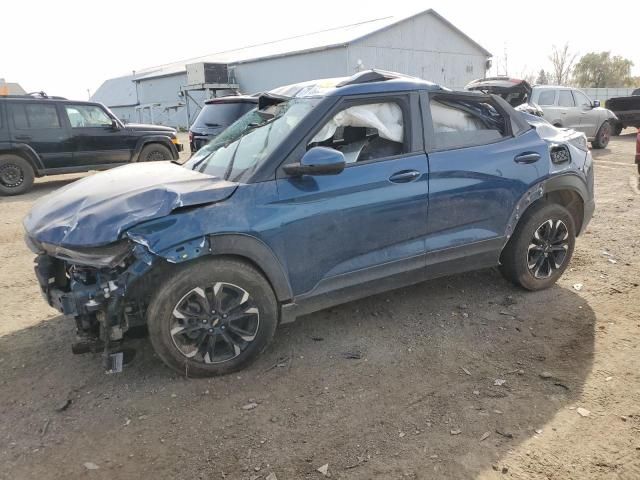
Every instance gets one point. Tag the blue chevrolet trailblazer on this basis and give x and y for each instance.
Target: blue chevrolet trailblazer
(328, 191)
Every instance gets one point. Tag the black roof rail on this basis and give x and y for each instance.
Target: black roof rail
(34, 95)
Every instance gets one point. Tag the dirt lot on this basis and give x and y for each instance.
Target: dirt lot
(422, 401)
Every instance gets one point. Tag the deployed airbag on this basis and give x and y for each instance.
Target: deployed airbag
(386, 118)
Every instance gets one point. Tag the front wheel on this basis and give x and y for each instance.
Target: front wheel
(155, 153)
(212, 318)
(603, 136)
(541, 247)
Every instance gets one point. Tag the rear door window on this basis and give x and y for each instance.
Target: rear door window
(565, 99)
(34, 116)
(547, 97)
(465, 122)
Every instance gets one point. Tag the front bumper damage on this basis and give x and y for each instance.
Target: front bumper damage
(105, 302)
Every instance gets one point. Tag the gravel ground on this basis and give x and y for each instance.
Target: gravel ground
(462, 377)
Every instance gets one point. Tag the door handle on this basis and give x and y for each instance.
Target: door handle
(22, 137)
(527, 157)
(404, 176)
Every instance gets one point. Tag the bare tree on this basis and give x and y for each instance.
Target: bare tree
(562, 61)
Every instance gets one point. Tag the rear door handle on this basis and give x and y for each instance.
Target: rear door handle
(405, 176)
(528, 157)
(22, 137)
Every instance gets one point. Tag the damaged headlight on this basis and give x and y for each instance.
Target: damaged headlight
(580, 142)
(108, 256)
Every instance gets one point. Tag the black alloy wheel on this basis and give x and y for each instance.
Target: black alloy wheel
(215, 324)
(548, 248)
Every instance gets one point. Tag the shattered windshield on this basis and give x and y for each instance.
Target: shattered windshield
(248, 142)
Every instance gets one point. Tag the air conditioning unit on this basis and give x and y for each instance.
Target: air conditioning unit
(199, 73)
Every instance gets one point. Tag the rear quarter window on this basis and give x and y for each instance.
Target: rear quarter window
(459, 123)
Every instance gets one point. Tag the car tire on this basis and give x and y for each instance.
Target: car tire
(603, 136)
(213, 317)
(155, 152)
(617, 129)
(16, 175)
(541, 247)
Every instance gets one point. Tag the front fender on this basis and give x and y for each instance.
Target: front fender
(241, 245)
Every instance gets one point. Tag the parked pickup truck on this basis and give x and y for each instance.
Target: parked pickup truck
(627, 109)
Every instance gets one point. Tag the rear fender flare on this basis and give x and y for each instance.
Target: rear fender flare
(25, 151)
(568, 181)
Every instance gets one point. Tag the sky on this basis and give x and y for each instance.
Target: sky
(70, 47)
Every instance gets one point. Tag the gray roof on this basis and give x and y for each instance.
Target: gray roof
(322, 40)
(117, 92)
(120, 91)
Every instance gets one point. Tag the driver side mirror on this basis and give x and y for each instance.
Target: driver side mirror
(114, 124)
(317, 161)
(596, 103)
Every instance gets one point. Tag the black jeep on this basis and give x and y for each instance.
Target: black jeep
(41, 135)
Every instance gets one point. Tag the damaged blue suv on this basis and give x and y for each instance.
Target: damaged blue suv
(326, 192)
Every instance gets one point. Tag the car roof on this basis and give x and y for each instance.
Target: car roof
(554, 87)
(30, 98)
(367, 81)
(232, 99)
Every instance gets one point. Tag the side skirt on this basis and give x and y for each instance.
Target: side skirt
(383, 278)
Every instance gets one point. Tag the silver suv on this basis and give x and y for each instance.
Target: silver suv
(564, 107)
(571, 108)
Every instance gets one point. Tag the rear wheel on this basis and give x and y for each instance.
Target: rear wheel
(541, 247)
(213, 317)
(155, 153)
(603, 136)
(16, 175)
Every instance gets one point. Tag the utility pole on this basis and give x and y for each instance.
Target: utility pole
(506, 61)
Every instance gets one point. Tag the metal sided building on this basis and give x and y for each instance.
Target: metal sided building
(424, 45)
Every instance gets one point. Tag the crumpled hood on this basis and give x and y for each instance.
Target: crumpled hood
(95, 210)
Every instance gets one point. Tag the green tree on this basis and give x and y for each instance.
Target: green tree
(542, 79)
(600, 69)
